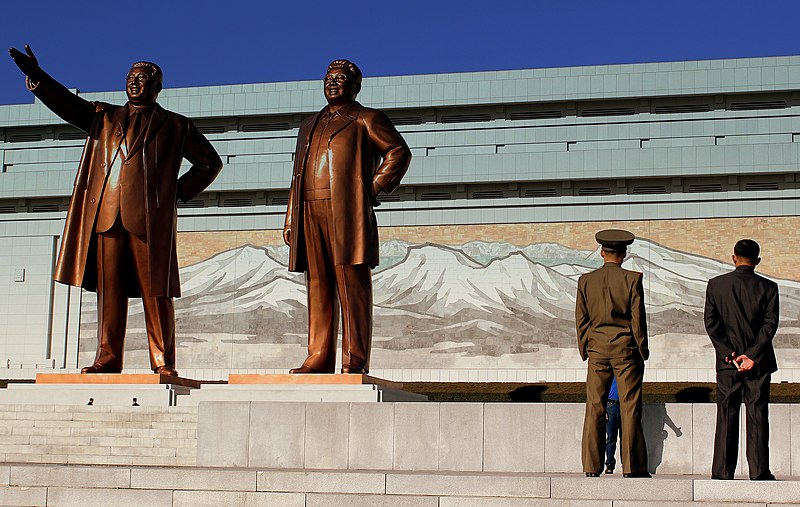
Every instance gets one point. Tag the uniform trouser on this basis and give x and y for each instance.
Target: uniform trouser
(633, 449)
(731, 385)
(121, 254)
(329, 285)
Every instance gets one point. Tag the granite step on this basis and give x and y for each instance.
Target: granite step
(68, 485)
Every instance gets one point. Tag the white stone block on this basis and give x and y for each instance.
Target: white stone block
(332, 500)
(611, 488)
(237, 499)
(192, 478)
(460, 436)
(704, 417)
(780, 440)
(416, 436)
(321, 482)
(770, 492)
(223, 433)
(668, 432)
(277, 434)
(23, 496)
(70, 477)
(795, 436)
(563, 432)
(456, 501)
(513, 437)
(371, 438)
(467, 485)
(327, 430)
(81, 497)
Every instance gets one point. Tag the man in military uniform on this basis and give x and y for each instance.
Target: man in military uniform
(612, 334)
(741, 318)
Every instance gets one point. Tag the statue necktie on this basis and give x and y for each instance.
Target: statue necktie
(134, 126)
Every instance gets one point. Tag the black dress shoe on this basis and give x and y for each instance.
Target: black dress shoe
(347, 370)
(99, 368)
(592, 474)
(718, 478)
(764, 477)
(304, 369)
(166, 370)
(637, 475)
(609, 470)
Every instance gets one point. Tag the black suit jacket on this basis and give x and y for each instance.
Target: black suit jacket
(741, 316)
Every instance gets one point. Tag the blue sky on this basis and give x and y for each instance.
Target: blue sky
(90, 45)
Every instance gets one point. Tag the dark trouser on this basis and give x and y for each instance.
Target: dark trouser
(328, 286)
(730, 387)
(612, 431)
(600, 373)
(120, 255)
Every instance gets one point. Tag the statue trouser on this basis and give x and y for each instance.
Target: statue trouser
(732, 386)
(329, 285)
(122, 259)
(633, 449)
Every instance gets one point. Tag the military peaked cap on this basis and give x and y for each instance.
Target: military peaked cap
(614, 240)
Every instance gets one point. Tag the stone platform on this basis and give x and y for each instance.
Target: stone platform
(303, 388)
(120, 389)
(112, 486)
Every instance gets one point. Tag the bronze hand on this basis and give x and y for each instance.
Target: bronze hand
(27, 63)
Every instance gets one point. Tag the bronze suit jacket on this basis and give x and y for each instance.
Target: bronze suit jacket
(170, 138)
(359, 141)
(741, 314)
(610, 315)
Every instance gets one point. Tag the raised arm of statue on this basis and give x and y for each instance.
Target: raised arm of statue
(71, 108)
(26, 62)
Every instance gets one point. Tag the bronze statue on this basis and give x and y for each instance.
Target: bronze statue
(346, 155)
(120, 232)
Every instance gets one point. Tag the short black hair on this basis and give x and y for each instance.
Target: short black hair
(747, 248)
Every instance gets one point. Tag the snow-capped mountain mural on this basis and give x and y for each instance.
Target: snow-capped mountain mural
(438, 304)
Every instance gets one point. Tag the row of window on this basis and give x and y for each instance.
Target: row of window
(469, 114)
(509, 190)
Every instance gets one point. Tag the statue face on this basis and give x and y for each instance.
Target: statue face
(340, 87)
(142, 88)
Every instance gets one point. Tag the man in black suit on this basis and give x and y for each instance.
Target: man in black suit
(741, 318)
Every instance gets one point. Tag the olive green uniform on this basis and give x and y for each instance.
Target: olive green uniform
(612, 334)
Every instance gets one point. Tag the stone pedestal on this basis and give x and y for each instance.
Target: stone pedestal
(119, 389)
(303, 388)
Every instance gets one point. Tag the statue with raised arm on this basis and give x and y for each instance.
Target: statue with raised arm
(120, 232)
(346, 155)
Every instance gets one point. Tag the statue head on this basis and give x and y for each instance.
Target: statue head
(143, 83)
(342, 82)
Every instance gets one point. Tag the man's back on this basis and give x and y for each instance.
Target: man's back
(742, 312)
(610, 312)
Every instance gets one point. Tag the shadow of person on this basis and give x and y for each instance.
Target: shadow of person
(694, 394)
(655, 419)
(528, 394)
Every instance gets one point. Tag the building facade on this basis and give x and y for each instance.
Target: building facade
(513, 173)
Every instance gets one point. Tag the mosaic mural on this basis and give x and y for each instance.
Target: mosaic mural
(473, 304)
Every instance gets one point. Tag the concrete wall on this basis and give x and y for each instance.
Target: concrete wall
(460, 437)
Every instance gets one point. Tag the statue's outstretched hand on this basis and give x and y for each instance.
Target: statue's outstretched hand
(27, 63)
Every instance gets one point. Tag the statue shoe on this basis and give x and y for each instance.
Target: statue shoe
(304, 369)
(99, 368)
(357, 371)
(169, 371)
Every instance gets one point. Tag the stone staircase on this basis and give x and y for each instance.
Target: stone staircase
(110, 486)
(110, 435)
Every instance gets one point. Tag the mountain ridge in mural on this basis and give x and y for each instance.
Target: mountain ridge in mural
(479, 298)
